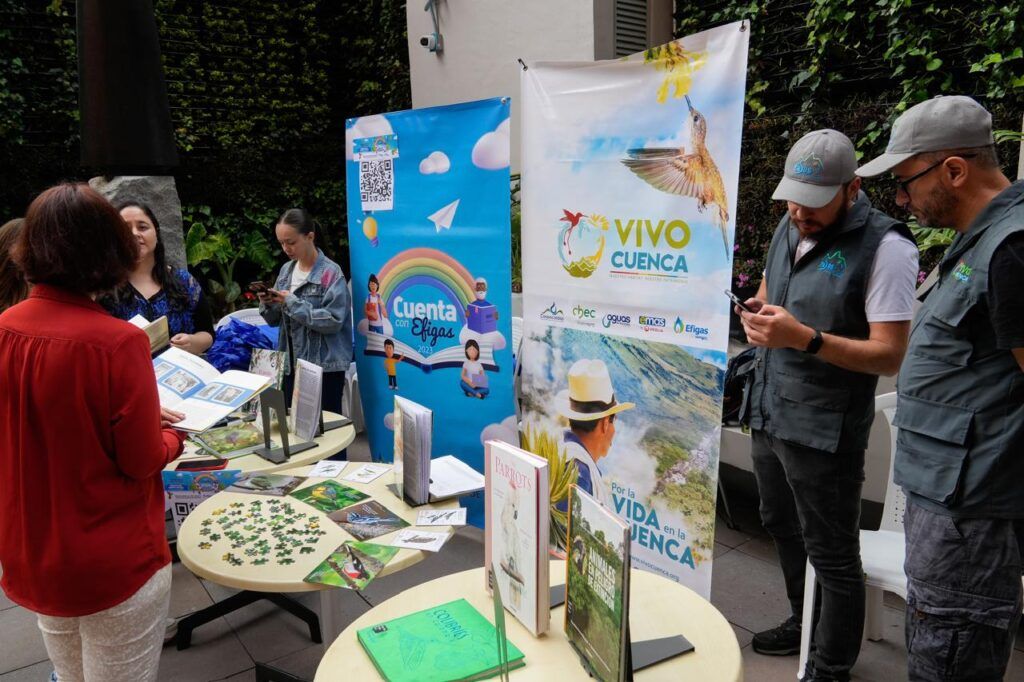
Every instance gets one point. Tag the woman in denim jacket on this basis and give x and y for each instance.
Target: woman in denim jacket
(310, 302)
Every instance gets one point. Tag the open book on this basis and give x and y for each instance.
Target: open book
(158, 332)
(449, 357)
(189, 384)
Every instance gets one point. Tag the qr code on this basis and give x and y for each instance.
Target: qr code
(376, 184)
(184, 508)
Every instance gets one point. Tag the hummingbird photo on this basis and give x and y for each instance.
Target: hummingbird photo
(690, 174)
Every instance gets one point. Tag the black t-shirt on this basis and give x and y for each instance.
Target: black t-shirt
(1006, 292)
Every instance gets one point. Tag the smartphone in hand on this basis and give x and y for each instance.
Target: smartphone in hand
(738, 302)
(258, 287)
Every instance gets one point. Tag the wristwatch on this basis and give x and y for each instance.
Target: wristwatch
(814, 345)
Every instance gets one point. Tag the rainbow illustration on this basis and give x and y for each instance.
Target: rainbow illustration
(430, 267)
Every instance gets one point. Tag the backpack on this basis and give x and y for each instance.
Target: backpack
(737, 373)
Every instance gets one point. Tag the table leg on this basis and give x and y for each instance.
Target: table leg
(330, 615)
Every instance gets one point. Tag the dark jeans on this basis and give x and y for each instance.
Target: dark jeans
(963, 595)
(810, 505)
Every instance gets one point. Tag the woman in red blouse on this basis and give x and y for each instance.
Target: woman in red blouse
(82, 443)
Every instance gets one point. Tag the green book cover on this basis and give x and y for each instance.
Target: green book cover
(353, 565)
(451, 642)
(329, 496)
(226, 441)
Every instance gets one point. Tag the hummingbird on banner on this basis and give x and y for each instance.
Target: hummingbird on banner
(692, 174)
(573, 219)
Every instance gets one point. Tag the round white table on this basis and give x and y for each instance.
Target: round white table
(658, 608)
(275, 578)
(330, 443)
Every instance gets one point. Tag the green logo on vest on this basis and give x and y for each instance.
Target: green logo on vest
(963, 271)
(833, 264)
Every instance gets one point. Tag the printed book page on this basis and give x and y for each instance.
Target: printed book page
(451, 477)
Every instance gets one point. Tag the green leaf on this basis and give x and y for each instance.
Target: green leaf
(933, 64)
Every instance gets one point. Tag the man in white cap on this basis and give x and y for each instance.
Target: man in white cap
(960, 412)
(832, 313)
(590, 406)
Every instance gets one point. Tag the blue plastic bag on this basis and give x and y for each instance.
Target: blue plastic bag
(233, 346)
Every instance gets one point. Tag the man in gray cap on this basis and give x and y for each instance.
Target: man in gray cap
(960, 412)
(832, 313)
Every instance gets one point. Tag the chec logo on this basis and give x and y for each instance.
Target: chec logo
(809, 166)
(552, 312)
(581, 242)
(833, 264)
(651, 324)
(584, 315)
(962, 272)
(613, 319)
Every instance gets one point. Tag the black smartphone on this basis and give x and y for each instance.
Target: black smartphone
(737, 301)
(258, 287)
(201, 464)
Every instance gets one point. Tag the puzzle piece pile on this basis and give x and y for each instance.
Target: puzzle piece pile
(261, 530)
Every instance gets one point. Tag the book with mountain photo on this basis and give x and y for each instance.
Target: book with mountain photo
(516, 503)
(597, 588)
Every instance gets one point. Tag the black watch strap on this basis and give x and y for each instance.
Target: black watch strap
(814, 345)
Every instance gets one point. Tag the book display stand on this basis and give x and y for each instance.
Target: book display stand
(273, 399)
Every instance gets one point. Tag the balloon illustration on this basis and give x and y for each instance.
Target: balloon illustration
(370, 229)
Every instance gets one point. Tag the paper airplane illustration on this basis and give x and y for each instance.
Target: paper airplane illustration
(442, 219)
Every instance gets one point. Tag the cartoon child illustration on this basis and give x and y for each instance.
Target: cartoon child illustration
(375, 309)
(473, 380)
(391, 363)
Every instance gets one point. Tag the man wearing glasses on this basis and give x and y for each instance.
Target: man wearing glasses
(960, 448)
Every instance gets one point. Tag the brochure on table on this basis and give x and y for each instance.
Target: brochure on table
(451, 477)
(517, 506)
(158, 332)
(190, 385)
(413, 427)
(597, 588)
(186, 489)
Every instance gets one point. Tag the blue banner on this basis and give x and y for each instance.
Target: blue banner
(428, 213)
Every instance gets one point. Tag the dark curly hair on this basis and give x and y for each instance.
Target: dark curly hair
(172, 287)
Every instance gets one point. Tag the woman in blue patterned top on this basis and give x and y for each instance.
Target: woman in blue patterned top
(154, 290)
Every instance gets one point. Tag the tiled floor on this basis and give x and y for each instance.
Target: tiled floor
(747, 589)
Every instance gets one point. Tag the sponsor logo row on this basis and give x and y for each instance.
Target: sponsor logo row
(591, 317)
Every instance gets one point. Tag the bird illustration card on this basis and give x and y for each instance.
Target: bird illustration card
(367, 473)
(266, 484)
(368, 520)
(442, 517)
(329, 496)
(352, 565)
(425, 540)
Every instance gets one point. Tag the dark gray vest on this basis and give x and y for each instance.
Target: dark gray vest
(960, 411)
(799, 397)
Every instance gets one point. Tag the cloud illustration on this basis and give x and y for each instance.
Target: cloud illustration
(492, 150)
(366, 126)
(436, 162)
(506, 431)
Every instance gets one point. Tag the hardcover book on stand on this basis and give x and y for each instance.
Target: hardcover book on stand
(597, 588)
(516, 504)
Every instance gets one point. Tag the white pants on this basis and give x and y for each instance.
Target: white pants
(119, 644)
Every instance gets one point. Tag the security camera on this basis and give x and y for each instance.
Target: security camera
(431, 41)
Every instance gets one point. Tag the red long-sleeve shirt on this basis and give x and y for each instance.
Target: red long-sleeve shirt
(81, 449)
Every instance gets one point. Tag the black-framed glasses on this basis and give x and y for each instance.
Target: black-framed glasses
(905, 184)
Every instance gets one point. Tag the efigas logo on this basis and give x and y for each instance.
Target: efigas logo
(612, 319)
(584, 315)
(552, 312)
(650, 323)
(690, 329)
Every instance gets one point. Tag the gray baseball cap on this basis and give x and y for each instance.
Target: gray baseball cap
(943, 122)
(817, 166)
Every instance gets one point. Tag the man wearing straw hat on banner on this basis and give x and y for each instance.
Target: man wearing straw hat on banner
(833, 312)
(960, 410)
(590, 406)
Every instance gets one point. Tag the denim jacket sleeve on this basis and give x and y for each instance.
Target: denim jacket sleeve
(329, 318)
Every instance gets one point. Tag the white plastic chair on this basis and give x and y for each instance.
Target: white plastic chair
(881, 551)
(248, 315)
